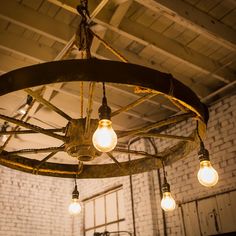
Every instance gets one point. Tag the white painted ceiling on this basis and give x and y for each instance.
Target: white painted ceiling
(194, 40)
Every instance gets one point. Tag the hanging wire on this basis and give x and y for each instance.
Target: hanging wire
(81, 99)
(198, 131)
(104, 89)
(171, 90)
(78, 171)
(202, 146)
(164, 170)
(75, 180)
(131, 186)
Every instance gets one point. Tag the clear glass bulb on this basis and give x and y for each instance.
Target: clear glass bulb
(104, 138)
(207, 175)
(75, 207)
(167, 202)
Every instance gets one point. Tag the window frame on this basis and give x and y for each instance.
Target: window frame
(103, 195)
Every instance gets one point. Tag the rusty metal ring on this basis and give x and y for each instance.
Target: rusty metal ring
(103, 71)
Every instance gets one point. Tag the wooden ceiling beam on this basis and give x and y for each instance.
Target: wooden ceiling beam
(162, 44)
(26, 48)
(35, 21)
(8, 63)
(198, 21)
(170, 48)
(199, 89)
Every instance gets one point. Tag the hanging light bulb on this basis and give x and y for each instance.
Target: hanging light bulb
(167, 201)
(104, 138)
(207, 175)
(22, 110)
(75, 206)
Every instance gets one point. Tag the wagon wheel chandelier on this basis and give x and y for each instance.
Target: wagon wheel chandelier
(86, 138)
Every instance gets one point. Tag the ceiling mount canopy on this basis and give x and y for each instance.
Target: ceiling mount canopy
(76, 136)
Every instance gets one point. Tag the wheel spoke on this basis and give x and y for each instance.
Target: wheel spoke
(10, 132)
(178, 104)
(32, 127)
(36, 151)
(134, 152)
(47, 158)
(90, 105)
(114, 159)
(46, 103)
(133, 104)
(157, 135)
(158, 124)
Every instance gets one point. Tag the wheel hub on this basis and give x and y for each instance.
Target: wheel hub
(78, 144)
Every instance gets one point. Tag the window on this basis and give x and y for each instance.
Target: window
(104, 212)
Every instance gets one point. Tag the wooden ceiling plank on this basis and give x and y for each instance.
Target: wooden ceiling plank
(8, 63)
(198, 21)
(26, 48)
(37, 22)
(165, 46)
(169, 47)
(199, 89)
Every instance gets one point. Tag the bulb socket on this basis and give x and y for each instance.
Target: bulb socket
(75, 193)
(104, 110)
(165, 187)
(203, 154)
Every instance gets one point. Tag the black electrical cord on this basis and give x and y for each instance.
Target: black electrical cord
(131, 188)
(160, 185)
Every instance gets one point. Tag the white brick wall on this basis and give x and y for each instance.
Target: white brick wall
(221, 143)
(37, 205)
(34, 205)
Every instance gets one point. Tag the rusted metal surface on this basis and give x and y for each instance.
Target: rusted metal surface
(35, 151)
(95, 70)
(114, 159)
(89, 171)
(47, 158)
(90, 107)
(134, 152)
(10, 132)
(158, 124)
(33, 127)
(133, 104)
(78, 143)
(41, 100)
(168, 136)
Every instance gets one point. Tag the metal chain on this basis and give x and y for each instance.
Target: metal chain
(84, 37)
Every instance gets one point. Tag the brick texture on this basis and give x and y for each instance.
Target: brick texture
(36, 205)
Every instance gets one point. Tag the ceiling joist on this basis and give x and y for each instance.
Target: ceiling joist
(170, 48)
(188, 16)
(29, 19)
